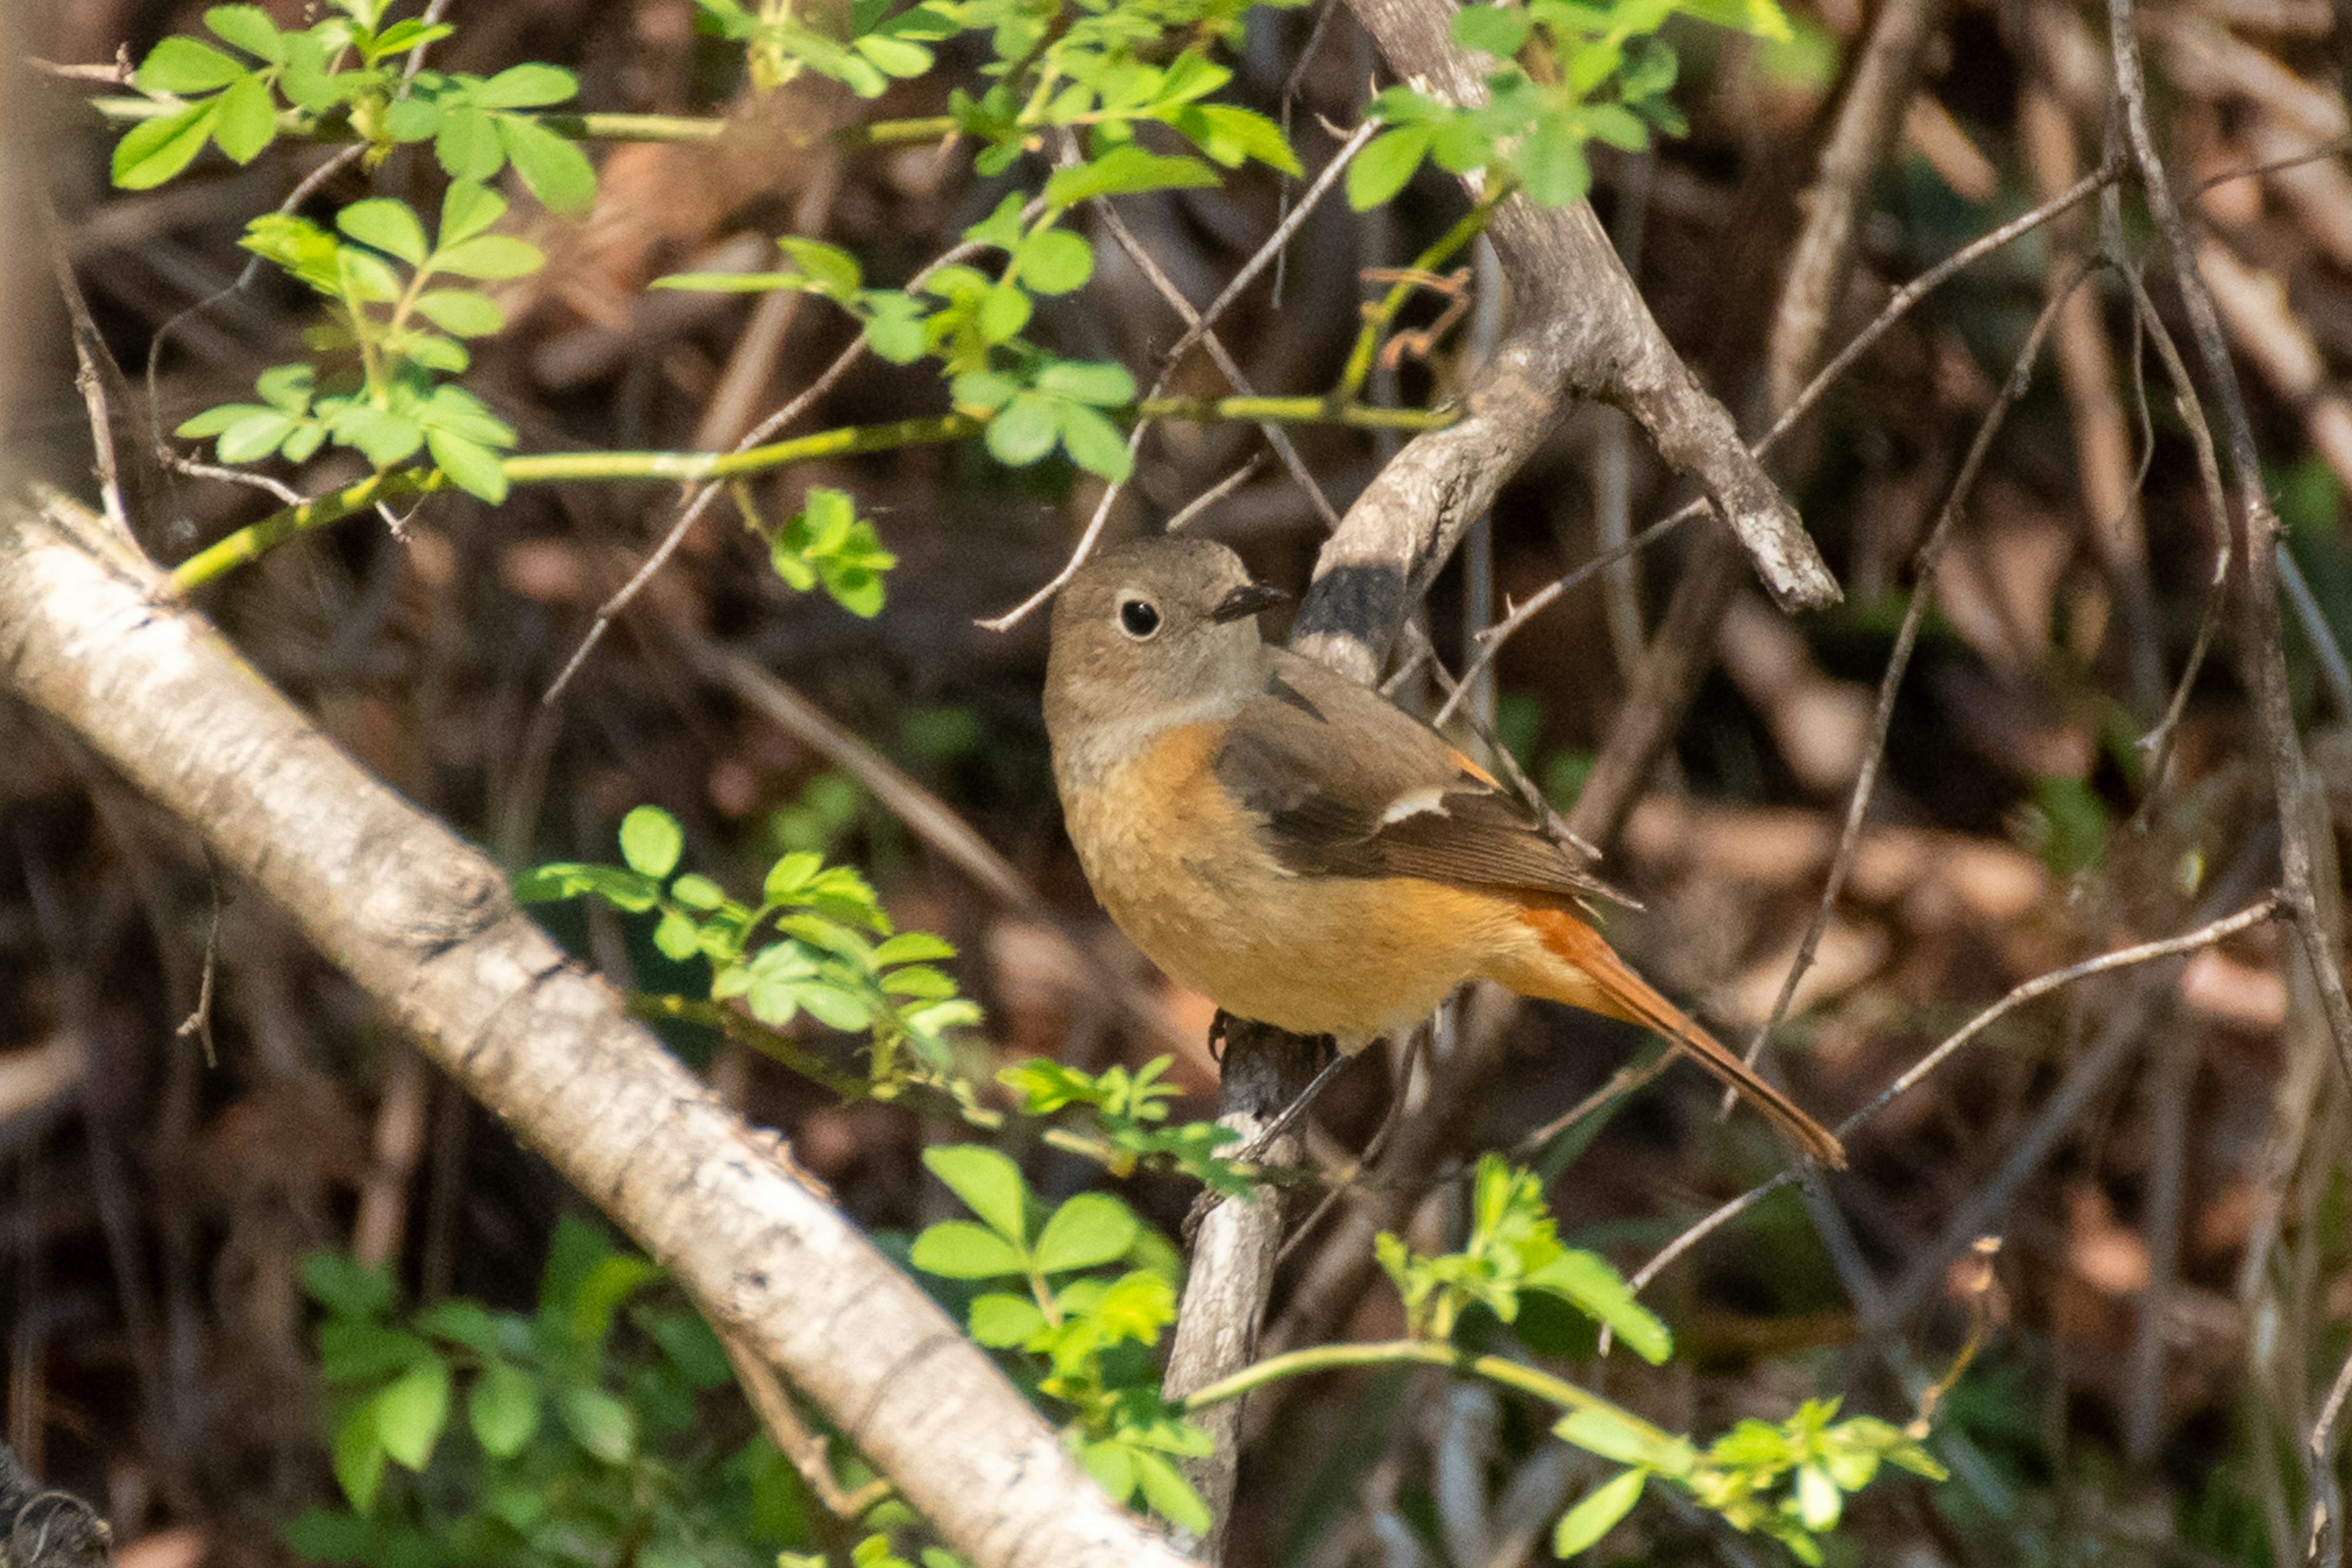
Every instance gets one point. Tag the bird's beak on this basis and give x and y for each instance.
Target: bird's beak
(1249, 599)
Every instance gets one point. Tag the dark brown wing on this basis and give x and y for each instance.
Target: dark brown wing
(1352, 786)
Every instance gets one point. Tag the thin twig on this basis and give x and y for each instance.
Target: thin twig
(1897, 306)
(2039, 985)
(1898, 663)
(700, 499)
(809, 1452)
(1214, 493)
(1276, 436)
(2158, 743)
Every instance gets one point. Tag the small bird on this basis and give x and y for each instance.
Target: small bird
(1299, 849)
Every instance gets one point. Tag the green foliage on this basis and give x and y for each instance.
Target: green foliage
(347, 68)
(2066, 824)
(574, 1434)
(1788, 1480)
(873, 1551)
(816, 943)
(1123, 1126)
(399, 334)
(1084, 1338)
(1033, 401)
(1571, 72)
(779, 41)
(826, 542)
(1513, 1249)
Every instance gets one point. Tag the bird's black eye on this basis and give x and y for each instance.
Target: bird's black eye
(1139, 617)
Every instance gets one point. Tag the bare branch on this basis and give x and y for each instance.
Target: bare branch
(426, 926)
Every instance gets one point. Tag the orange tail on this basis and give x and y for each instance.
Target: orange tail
(1604, 984)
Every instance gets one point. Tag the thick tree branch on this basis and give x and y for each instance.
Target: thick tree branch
(1581, 330)
(425, 925)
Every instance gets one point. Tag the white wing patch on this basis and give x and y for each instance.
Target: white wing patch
(1414, 803)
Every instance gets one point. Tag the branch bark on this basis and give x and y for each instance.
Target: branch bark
(425, 925)
(1581, 330)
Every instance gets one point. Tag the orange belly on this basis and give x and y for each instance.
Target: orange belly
(1180, 869)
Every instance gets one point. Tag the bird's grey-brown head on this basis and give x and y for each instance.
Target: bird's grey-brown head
(1154, 632)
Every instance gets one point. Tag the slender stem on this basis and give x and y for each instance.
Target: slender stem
(695, 468)
(124, 110)
(1424, 1353)
(1378, 318)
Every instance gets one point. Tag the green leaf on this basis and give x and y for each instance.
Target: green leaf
(466, 209)
(1587, 1280)
(527, 85)
(677, 937)
(246, 118)
(1004, 1321)
(504, 1409)
(490, 256)
(1620, 127)
(1598, 1513)
(1172, 1497)
(599, 1422)
(1112, 1465)
(471, 467)
(894, 331)
(1095, 443)
(181, 65)
(1055, 261)
(651, 841)
(387, 225)
(894, 56)
(831, 268)
(1231, 135)
(1003, 312)
(988, 1181)
(1381, 169)
(286, 387)
(1024, 431)
(1499, 30)
(354, 1350)
(153, 151)
(1552, 163)
(1123, 171)
(412, 1414)
(461, 1322)
(556, 171)
(913, 947)
(1614, 1434)
(358, 1457)
(344, 1286)
(958, 1249)
(468, 145)
(249, 28)
(383, 439)
(255, 435)
(834, 1006)
(1090, 1228)
(1105, 384)
(461, 312)
(1761, 18)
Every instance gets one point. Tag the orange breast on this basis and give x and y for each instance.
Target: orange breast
(1181, 869)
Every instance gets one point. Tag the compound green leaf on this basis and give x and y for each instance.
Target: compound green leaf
(556, 171)
(153, 151)
(387, 225)
(181, 65)
(1598, 1513)
(246, 118)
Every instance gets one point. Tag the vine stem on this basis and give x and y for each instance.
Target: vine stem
(247, 544)
(578, 126)
(1494, 1369)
